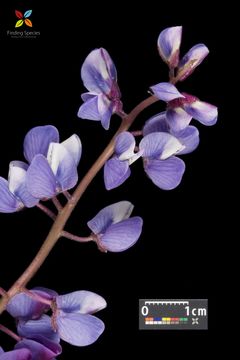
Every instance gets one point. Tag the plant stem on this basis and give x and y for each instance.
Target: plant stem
(56, 230)
(9, 332)
(3, 292)
(57, 204)
(70, 236)
(46, 211)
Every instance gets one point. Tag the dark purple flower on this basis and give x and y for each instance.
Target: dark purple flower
(20, 354)
(99, 76)
(181, 110)
(14, 194)
(164, 169)
(72, 319)
(117, 169)
(189, 137)
(41, 348)
(169, 42)
(114, 229)
(53, 166)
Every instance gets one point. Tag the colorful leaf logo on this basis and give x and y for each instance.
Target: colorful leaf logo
(27, 13)
(18, 14)
(28, 22)
(19, 23)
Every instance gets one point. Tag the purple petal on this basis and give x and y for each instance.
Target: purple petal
(38, 139)
(40, 327)
(166, 174)
(89, 109)
(98, 71)
(177, 118)
(110, 215)
(122, 235)
(40, 181)
(38, 350)
(203, 112)
(124, 145)
(157, 123)
(24, 307)
(105, 108)
(115, 173)
(63, 166)
(189, 137)
(160, 145)
(166, 91)
(84, 302)
(17, 183)
(1, 350)
(74, 146)
(169, 42)
(79, 329)
(191, 60)
(20, 354)
(9, 203)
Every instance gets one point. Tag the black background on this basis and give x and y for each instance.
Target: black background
(178, 254)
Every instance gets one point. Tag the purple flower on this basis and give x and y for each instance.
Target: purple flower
(169, 42)
(117, 169)
(99, 76)
(53, 165)
(114, 229)
(14, 194)
(189, 137)
(164, 169)
(182, 109)
(72, 319)
(20, 354)
(23, 307)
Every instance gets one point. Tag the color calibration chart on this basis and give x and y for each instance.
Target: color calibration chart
(175, 314)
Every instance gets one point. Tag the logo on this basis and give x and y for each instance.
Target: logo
(23, 18)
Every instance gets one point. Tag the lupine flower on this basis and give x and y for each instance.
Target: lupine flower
(189, 137)
(169, 42)
(181, 110)
(99, 76)
(20, 354)
(72, 319)
(114, 229)
(39, 327)
(40, 348)
(14, 194)
(53, 167)
(164, 169)
(117, 169)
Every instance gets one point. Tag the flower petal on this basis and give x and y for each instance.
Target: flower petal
(105, 108)
(189, 137)
(89, 109)
(41, 182)
(178, 118)
(24, 307)
(42, 327)
(160, 145)
(124, 145)
(79, 329)
(1, 350)
(203, 112)
(84, 302)
(110, 215)
(17, 183)
(191, 60)
(74, 147)
(63, 166)
(166, 91)
(157, 123)
(98, 71)
(38, 139)
(115, 173)
(9, 203)
(38, 350)
(169, 42)
(166, 174)
(122, 235)
(20, 354)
